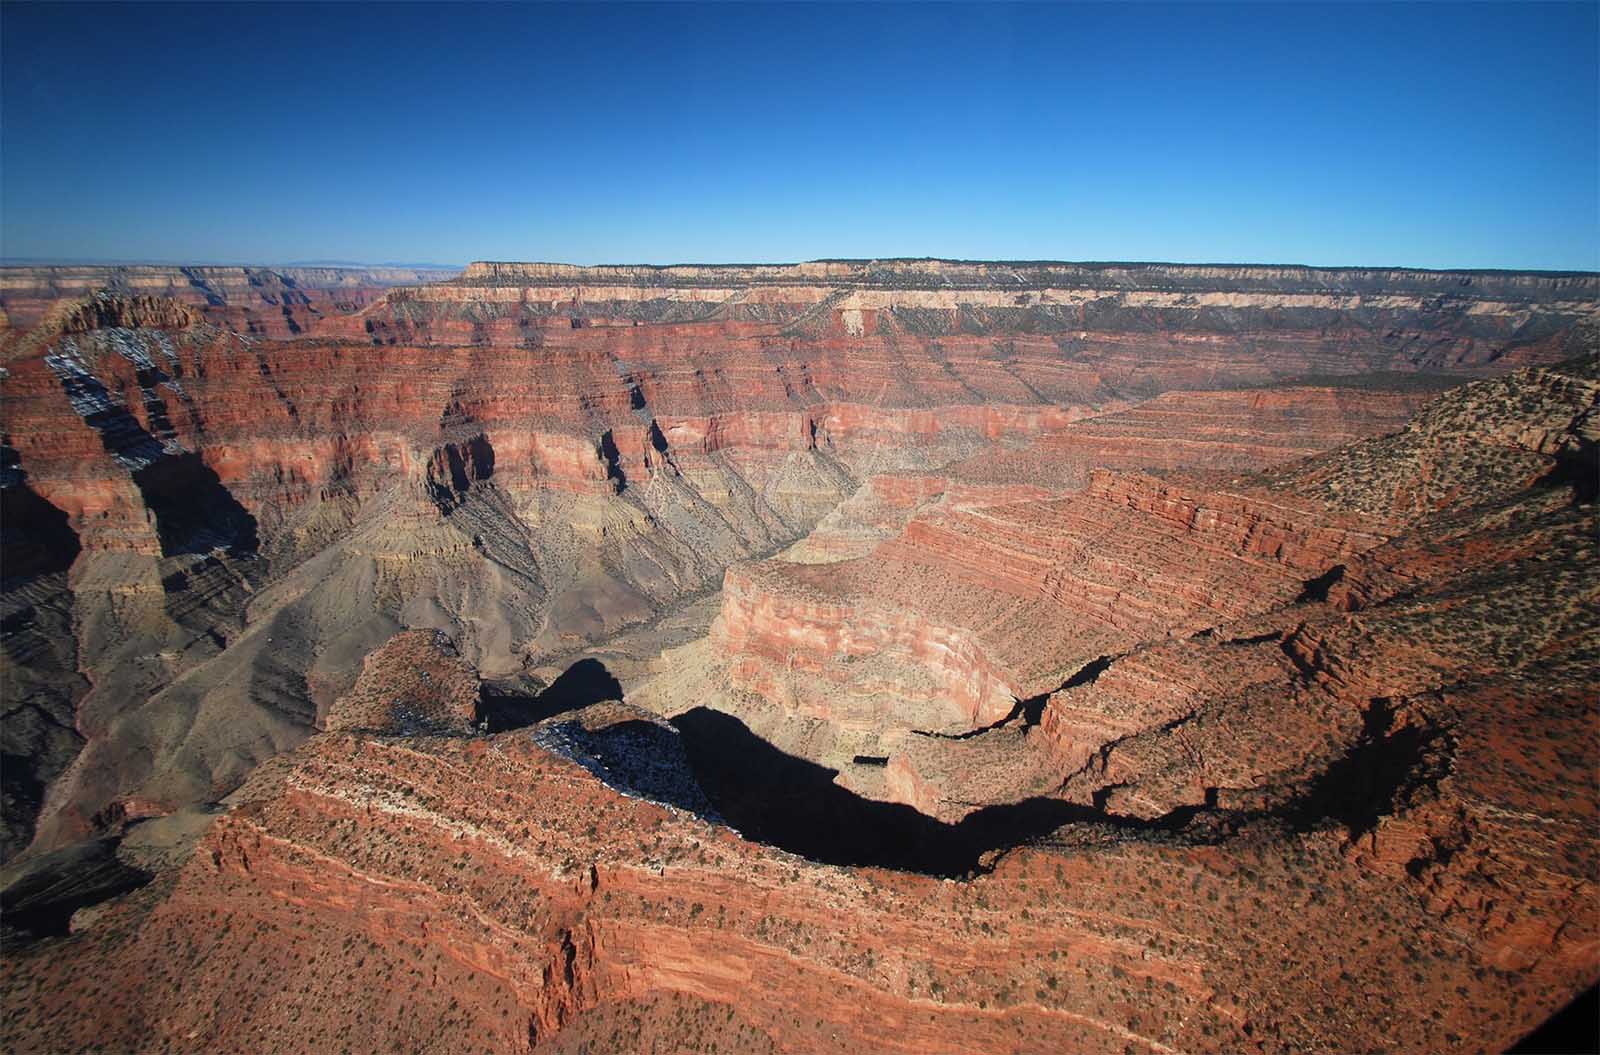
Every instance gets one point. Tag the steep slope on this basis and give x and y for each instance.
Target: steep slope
(267, 473)
(916, 670)
(1355, 816)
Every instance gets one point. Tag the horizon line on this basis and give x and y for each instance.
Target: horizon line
(348, 265)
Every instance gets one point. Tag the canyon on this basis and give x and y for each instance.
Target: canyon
(901, 655)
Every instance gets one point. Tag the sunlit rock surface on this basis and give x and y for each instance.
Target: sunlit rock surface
(1015, 657)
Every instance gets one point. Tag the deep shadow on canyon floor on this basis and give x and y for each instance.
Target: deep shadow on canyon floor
(773, 797)
(513, 704)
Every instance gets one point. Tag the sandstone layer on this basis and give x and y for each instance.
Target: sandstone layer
(1356, 817)
(279, 301)
(257, 476)
(1017, 657)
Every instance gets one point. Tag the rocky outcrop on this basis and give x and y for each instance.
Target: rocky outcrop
(928, 649)
(104, 310)
(1183, 431)
(268, 473)
(415, 683)
(1489, 437)
(1374, 312)
(280, 301)
(1279, 772)
(512, 894)
(971, 609)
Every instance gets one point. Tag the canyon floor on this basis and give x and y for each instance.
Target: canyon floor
(850, 656)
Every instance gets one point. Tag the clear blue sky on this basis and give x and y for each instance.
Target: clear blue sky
(1433, 135)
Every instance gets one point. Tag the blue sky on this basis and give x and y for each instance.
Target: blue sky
(1433, 135)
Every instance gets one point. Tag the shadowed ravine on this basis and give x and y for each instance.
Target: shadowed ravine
(900, 656)
(777, 798)
(507, 705)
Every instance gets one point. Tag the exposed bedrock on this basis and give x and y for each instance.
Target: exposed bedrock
(275, 301)
(416, 683)
(1000, 548)
(978, 618)
(40, 685)
(271, 472)
(509, 889)
(1256, 747)
(38, 538)
(455, 467)
(970, 609)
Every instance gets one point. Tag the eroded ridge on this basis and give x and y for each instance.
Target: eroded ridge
(266, 473)
(1286, 821)
(1017, 563)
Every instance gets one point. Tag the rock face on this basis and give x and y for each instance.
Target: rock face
(992, 604)
(1070, 622)
(1294, 829)
(415, 683)
(533, 457)
(276, 301)
(978, 609)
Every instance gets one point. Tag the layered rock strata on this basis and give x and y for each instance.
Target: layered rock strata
(277, 301)
(1314, 779)
(977, 616)
(262, 474)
